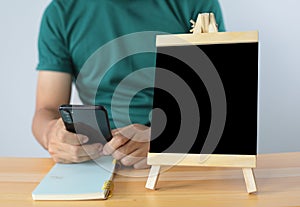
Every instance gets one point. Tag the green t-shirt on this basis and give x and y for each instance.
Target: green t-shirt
(109, 48)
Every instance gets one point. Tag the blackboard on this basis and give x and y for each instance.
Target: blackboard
(234, 60)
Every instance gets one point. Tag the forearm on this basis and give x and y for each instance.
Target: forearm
(43, 121)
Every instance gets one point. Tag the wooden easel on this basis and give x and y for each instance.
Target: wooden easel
(246, 162)
(205, 24)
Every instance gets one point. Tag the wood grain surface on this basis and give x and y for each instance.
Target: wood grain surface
(277, 176)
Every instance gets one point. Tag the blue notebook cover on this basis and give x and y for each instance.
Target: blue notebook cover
(81, 181)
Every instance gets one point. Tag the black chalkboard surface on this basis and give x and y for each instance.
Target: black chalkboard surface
(190, 100)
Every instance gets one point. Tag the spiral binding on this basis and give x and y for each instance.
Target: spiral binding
(109, 186)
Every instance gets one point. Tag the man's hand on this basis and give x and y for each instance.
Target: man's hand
(130, 145)
(66, 147)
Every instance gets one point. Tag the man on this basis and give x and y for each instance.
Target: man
(97, 44)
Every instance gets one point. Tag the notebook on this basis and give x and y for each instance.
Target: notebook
(81, 181)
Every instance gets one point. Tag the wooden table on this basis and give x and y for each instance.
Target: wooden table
(278, 182)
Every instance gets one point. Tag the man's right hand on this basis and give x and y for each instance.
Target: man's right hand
(68, 147)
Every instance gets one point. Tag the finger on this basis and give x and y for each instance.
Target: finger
(61, 160)
(68, 160)
(78, 154)
(136, 132)
(114, 131)
(115, 143)
(85, 150)
(142, 164)
(68, 137)
(126, 149)
(86, 158)
(128, 131)
(131, 159)
(71, 138)
(58, 155)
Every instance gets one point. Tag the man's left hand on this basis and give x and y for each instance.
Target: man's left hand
(130, 145)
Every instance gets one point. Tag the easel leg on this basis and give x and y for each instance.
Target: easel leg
(153, 177)
(250, 180)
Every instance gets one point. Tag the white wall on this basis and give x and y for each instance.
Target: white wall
(280, 76)
(19, 22)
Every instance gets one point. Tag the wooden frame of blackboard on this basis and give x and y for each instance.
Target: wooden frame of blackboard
(246, 162)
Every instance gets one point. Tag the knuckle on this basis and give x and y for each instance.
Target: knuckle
(107, 148)
(55, 159)
(74, 150)
(51, 149)
(61, 138)
(141, 164)
(51, 152)
(119, 140)
(126, 162)
(75, 159)
(134, 125)
(118, 155)
(138, 126)
(94, 156)
(135, 166)
(88, 149)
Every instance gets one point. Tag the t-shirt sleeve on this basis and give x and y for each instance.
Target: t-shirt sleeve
(52, 44)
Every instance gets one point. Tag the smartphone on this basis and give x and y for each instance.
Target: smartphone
(91, 121)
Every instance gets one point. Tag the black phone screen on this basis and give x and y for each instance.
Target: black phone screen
(91, 121)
